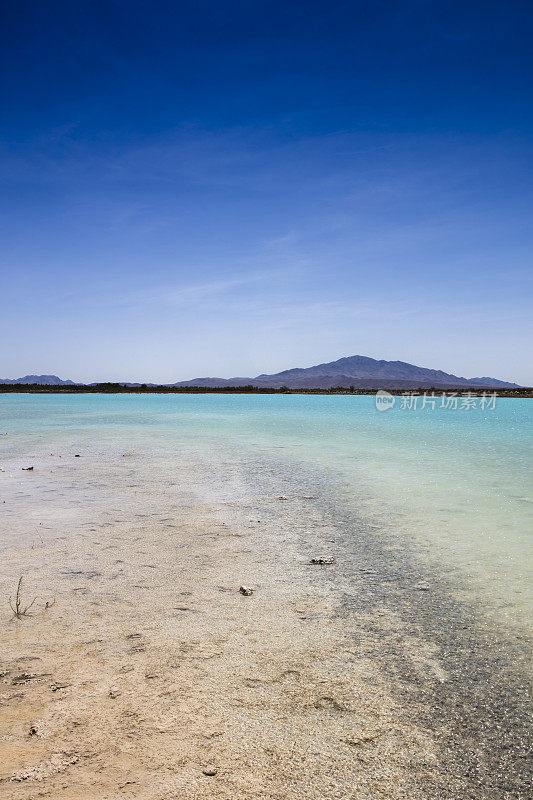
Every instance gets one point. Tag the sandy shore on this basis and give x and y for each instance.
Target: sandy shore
(150, 676)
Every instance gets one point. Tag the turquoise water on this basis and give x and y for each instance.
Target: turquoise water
(456, 484)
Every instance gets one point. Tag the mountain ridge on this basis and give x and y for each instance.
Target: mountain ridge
(358, 371)
(44, 380)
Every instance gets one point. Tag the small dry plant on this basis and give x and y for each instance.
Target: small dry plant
(18, 609)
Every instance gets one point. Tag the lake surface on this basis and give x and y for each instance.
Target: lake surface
(454, 485)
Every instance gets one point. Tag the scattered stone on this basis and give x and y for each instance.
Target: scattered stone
(90, 574)
(246, 590)
(252, 683)
(290, 674)
(330, 704)
(362, 740)
(55, 687)
(77, 455)
(210, 771)
(58, 762)
(282, 497)
(24, 677)
(321, 560)
(27, 469)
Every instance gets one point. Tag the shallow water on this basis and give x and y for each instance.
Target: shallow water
(452, 484)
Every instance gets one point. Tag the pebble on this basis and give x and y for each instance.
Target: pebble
(210, 771)
(319, 560)
(246, 590)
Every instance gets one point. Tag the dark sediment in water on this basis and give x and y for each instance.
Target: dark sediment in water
(453, 669)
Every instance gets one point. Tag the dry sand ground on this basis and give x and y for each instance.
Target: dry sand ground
(150, 670)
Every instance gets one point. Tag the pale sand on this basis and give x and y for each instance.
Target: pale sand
(151, 669)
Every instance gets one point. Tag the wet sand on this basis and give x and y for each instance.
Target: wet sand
(150, 676)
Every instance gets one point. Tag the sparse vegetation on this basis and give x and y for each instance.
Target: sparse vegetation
(120, 388)
(17, 607)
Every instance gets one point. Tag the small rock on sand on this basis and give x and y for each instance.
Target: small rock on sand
(246, 590)
(322, 560)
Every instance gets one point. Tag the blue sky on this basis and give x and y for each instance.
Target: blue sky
(228, 188)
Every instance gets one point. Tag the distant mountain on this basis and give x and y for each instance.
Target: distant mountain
(358, 371)
(48, 380)
(493, 382)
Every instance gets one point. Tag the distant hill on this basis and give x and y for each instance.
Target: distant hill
(358, 371)
(47, 380)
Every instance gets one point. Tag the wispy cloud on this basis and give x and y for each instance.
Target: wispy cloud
(192, 295)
